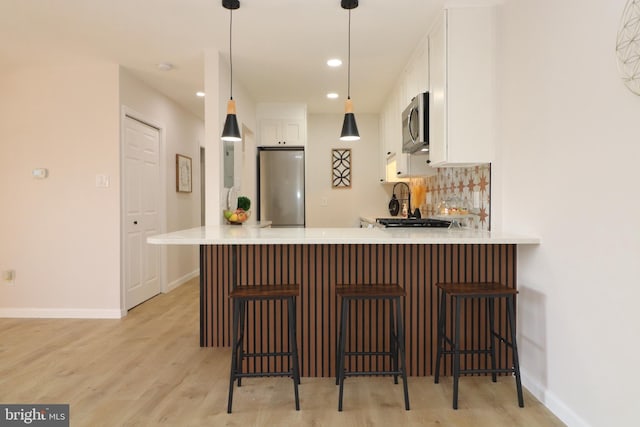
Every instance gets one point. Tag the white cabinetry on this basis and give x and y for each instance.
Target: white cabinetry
(282, 124)
(395, 161)
(282, 132)
(396, 165)
(462, 106)
(415, 77)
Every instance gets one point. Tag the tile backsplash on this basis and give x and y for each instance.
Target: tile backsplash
(461, 183)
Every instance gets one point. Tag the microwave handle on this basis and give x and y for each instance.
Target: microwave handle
(413, 138)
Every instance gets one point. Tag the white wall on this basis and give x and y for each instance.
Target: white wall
(567, 172)
(366, 195)
(60, 234)
(184, 133)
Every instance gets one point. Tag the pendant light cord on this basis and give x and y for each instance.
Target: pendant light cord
(230, 54)
(349, 61)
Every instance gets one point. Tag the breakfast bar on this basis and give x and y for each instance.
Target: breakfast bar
(320, 258)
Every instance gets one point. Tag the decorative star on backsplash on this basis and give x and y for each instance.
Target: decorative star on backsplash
(484, 183)
(483, 215)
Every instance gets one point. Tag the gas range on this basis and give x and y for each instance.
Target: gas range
(413, 222)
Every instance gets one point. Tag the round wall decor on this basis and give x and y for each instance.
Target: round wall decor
(628, 46)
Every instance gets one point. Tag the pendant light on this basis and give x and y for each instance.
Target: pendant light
(231, 131)
(349, 127)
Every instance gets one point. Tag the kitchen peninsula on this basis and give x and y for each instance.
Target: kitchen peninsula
(320, 258)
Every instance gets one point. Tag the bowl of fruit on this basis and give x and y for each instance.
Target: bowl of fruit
(240, 214)
(237, 216)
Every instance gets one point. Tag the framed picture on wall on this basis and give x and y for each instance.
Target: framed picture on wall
(341, 168)
(183, 174)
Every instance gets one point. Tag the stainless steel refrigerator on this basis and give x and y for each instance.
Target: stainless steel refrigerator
(281, 186)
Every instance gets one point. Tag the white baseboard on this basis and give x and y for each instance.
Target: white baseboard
(61, 313)
(552, 402)
(182, 280)
(82, 313)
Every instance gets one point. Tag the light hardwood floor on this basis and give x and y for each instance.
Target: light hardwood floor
(148, 369)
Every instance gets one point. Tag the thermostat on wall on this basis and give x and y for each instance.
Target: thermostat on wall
(40, 173)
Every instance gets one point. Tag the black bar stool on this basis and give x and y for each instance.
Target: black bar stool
(490, 292)
(241, 295)
(391, 293)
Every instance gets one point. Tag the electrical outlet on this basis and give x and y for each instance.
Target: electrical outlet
(476, 200)
(9, 276)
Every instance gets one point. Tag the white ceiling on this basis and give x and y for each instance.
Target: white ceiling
(280, 47)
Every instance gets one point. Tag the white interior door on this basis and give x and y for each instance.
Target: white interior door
(141, 211)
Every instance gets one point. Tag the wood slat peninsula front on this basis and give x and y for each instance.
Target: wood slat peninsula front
(319, 267)
(320, 258)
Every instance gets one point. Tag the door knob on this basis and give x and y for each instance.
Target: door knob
(135, 222)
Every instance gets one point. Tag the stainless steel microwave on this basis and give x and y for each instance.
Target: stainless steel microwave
(415, 125)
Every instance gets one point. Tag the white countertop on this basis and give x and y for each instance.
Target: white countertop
(252, 223)
(231, 234)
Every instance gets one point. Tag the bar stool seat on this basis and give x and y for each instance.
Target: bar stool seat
(391, 293)
(241, 295)
(490, 292)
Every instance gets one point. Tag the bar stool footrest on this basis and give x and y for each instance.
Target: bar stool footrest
(486, 371)
(286, 353)
(371, 373)
(466, 351)
(263, 374)
(368, 353)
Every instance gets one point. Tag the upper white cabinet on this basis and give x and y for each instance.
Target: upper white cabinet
(393, 161)
(462, 106)
(415, 78)
(282, 124)
(394, 164)
(282, 132)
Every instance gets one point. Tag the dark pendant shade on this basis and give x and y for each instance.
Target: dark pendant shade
(349, 128)
(231, 131)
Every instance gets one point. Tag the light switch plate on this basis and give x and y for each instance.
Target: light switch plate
(102, 181)
(40, 173)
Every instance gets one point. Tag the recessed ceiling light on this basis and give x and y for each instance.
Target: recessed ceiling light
(332, 95)
(165, 66)
(200, 94)
(334, 62)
